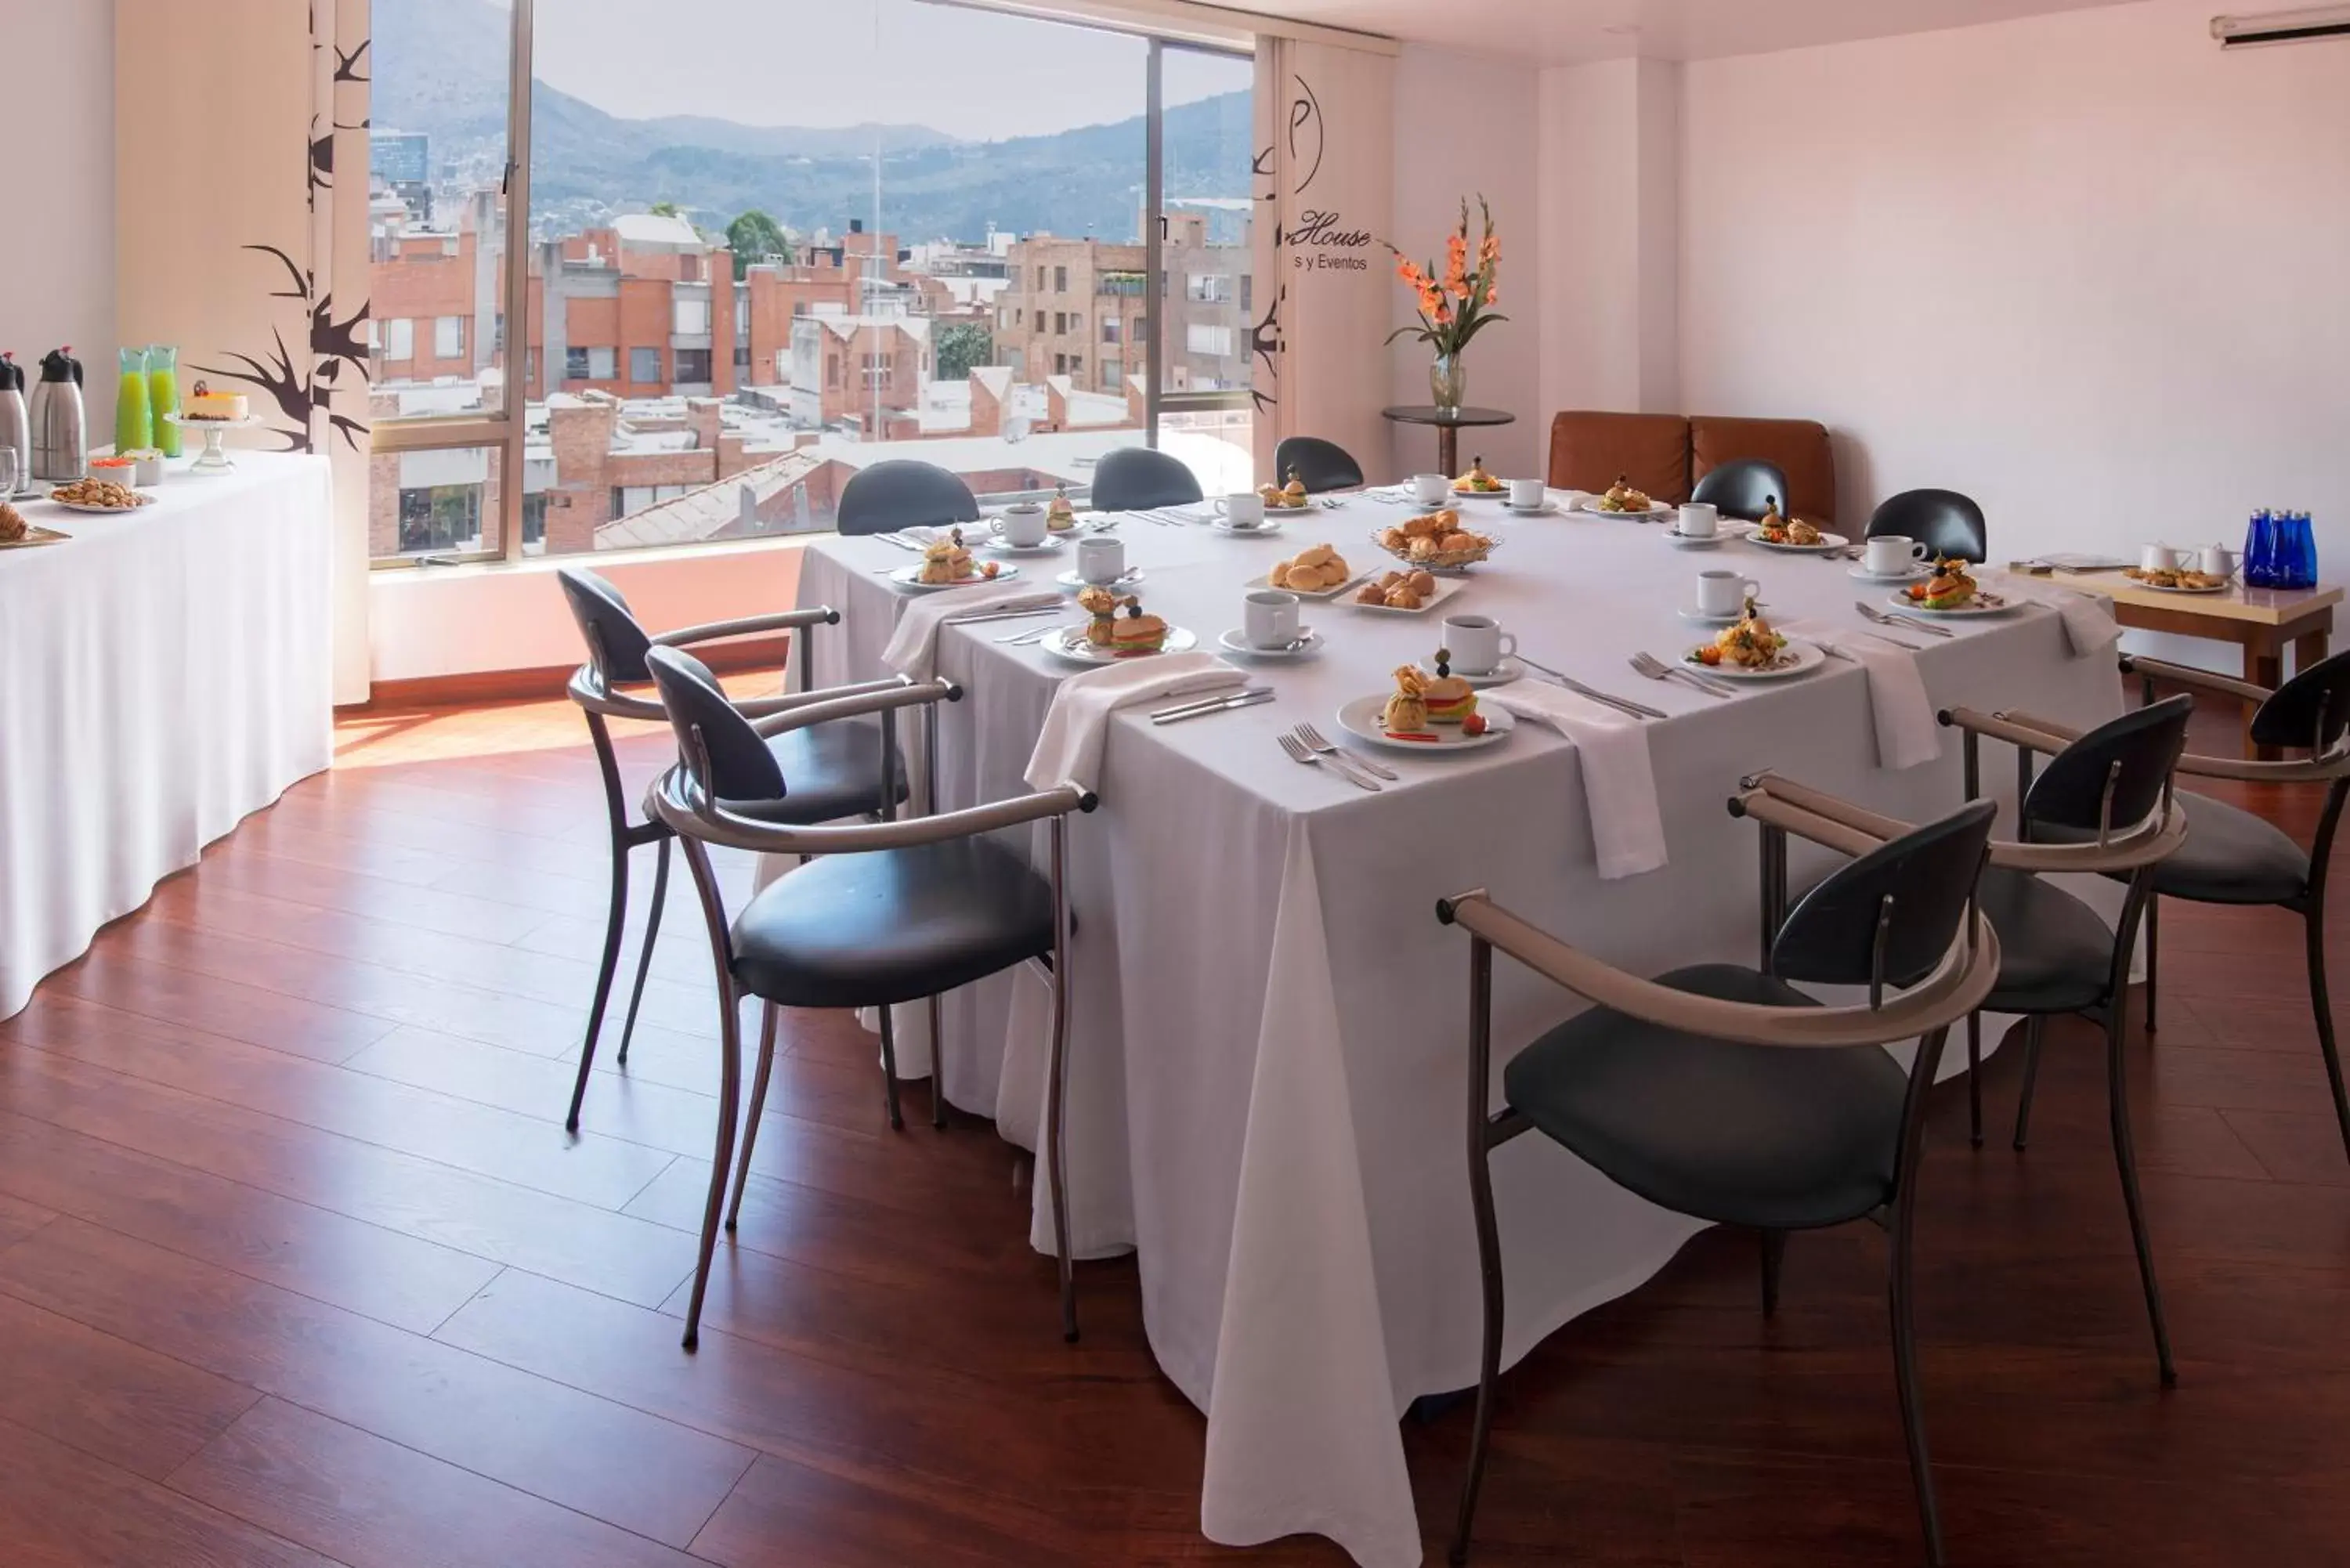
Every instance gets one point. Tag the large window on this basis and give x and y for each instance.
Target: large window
(735, 297)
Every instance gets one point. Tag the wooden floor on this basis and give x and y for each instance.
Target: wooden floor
(298, 1266)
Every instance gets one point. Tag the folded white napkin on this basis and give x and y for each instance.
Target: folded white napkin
(1069, 748)
(2089, 624)
(1906, 733)
(913, 649)
(1628, 831)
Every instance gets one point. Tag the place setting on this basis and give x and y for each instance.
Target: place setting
(947, 563)
(1117, 629)
(1621, 500)
(1949, 592)
(1431, 711)
(1271, 629)
(1751, 649)
(1695, 525)
(1023, 528)
(1794, 535)
(1101, 562)
(1891, 558)
(1248, 513)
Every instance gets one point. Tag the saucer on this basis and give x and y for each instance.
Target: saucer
(1547, 508)
(1861, 574)
(1002, 546)
(1271, 525)
(1502, 674)
(1126, 579)
(1702, 618)
(1694, 541)
(1309, 644)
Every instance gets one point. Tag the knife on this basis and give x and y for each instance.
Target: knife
(1248, 699)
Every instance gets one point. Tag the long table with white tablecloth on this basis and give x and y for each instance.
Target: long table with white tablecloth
(1266, 1098)
(162, 672)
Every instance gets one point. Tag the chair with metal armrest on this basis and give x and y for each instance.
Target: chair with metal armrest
(1726, 1094)
(836, 773)
(885, 913)
(2103, 804)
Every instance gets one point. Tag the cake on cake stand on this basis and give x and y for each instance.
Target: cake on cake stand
(215, 459)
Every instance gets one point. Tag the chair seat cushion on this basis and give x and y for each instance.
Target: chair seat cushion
(830, 771)
(1780, 1138)
(2056, 955)
(2231, 856)
(894, 925)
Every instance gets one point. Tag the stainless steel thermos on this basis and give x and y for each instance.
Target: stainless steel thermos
(16, 424)
(60, 427)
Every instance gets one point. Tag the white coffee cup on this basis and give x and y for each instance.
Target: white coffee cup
(1242, 509)
(1023, 523)
(1101, 558)
(1430, 489)
(1888, 554)
(2158, 558)
(1269, 618)
(1724, 593)
(1699, 520)
(1477, 643)
(2218, 561)
(1528, 495)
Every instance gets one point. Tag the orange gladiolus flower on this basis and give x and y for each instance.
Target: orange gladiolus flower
(1489, 251)
(1493, 294)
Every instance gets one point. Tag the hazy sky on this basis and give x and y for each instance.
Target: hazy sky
(974, 74)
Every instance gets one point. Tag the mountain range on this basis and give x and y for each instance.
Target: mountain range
(438, 66)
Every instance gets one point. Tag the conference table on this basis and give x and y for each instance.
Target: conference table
(1267, 1099)
(166, 672)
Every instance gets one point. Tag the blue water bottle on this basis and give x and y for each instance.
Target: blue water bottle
(2300, 552)
(2260, 551)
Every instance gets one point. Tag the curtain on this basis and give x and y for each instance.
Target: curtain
(251, 257)
(1324, 188)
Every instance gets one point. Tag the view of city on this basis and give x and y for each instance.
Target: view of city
(729, 317)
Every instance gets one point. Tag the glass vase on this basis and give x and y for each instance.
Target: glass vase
(1447, 381)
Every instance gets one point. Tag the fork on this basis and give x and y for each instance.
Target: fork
(1656, 669)
(1298, 752)
(1871, 612)
(1316, 740)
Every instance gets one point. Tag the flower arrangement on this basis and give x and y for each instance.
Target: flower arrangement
(1455, 307)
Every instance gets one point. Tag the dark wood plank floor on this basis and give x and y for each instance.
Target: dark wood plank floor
(298, 1266)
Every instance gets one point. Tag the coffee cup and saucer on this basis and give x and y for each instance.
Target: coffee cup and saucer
(1480, 652)
(1721, 598)
(1530, 498)
(1891, 558)
(1243, 512)
(1269, 628)
(1101, 563)
(1697, 527)
(1024, 529)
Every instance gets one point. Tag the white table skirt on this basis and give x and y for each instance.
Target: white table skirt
(162, 673)
(1266, 1097)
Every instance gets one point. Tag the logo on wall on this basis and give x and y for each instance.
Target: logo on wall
(1318, 240)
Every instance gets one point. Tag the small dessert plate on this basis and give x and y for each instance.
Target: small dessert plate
(1795, 658)
(1656, 509)
(1070, 643)
(1445, 588)
(1309, 644)
(1828, 544)
(910, 578)
(1126, 579)
(1361, 718)
(1983, 603)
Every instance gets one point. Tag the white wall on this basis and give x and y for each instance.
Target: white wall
(57, 262)
(2083, 267)
(1466, 123)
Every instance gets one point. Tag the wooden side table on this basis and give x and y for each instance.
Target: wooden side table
(2261, 621)
(1449, 424)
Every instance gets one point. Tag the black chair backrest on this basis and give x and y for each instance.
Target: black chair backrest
(1134, 477)
(1830, 938)
(1743, 487)
(2310, 710)
(616, 643)
(2133, 755)
(1322, 465)
(1944, 520)
(899, 492)
(741, 766)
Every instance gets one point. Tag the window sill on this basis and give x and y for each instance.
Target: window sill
(652, 555)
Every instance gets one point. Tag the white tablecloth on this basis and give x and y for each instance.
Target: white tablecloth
(162, 673)
(1266, 1094)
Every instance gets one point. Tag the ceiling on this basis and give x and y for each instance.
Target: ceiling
(1566, 32)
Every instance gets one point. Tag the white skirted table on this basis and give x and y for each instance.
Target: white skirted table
(1266, 1094)
(162, 673)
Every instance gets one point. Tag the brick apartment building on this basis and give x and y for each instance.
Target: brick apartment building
(1076, 308)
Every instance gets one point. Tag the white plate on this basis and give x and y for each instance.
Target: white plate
(1127, 580)
(100, 511)
(1861, 574)
(910, 577)
(2157, 589)
(35, 536)
(1361, 718)
(1827, 542)
(1271, 525)
(1983, 603)
(1656, 509)
(1501, 494)
(1236, 641)
(1807, 657)
(1445, 588)
(1502, 674)
(1691, 613)
(1695, 541)
(1070, 643)
(1354, 580)
(1547, 508)
(1002, 546)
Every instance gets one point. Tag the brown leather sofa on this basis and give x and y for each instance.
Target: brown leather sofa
(1667, 455)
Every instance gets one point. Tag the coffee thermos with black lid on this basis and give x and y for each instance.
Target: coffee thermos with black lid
(60, 427)
(16, 424)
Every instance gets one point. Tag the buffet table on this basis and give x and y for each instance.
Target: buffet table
(166, 672)
(1270, 1025)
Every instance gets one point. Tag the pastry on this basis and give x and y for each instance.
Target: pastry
(1406, 712)
(2179, 579)
(1059, 515)
(1294, 493)
(1750, 644)
(1621, 497)
(1315, 569)
(1477, 481)
(12, 524)
(1435, 539)
(948, 560)
(209, 407)
(1450, 699)
(1948, 588)
(1773, 529)
(1101, 605)
(102, 492)
(1399, 591)
(1134, 632)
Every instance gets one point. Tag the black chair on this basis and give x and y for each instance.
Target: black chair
(2103, 804)
(1945, 521)
(1744, 487)
(887, 912)
(899, 492)
(1321, 464)
(837, 769)
(1724, 1092)
(1134, 477)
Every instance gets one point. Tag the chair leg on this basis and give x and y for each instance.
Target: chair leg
(890, 1070)
(937, 1068)
(1488, 1356)
(1905, 1374)
(2032, 1027)
(1056, 1150)
(730, 1090)
(768, 1015)
(2125, 1160)
(1775, 1254)
(2153, 951)
(2321, 999)
(645, 958)
(612, 929)
(1974, 1079)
